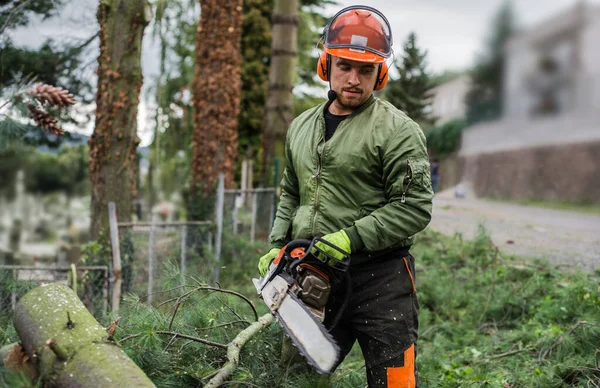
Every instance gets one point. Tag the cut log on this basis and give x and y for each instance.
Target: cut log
(68, 346)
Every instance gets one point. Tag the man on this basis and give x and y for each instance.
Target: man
(357, 173)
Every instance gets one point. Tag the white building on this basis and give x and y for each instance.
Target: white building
(448, 99)
(551, 89)
(547, 144)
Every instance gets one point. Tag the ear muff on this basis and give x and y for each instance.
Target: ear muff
(382, 76)
(323, 66)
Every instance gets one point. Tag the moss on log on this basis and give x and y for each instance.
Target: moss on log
(80, 354)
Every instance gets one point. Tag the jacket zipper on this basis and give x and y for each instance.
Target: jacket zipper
(317, 178)
(409, 173)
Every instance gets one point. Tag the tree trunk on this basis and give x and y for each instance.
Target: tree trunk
(68, 346)
(216, 90)
(279, 110)
(113, 145)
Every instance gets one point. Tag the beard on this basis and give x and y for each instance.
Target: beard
(351, 102)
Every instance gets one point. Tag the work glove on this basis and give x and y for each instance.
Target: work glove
(339, 239)
(264, 261)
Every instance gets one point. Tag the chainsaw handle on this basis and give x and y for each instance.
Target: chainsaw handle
(299, 243)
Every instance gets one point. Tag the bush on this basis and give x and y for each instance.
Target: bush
(445, 139)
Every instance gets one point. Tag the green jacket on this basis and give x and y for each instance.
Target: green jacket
(371, 179)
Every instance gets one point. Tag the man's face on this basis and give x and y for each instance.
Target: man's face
(353, 82)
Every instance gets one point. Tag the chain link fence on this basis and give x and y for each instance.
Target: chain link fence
(155, 254)
(90, 282)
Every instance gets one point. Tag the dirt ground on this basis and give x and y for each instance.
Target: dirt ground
(563, 237)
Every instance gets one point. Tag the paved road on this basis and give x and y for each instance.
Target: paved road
(563, 237)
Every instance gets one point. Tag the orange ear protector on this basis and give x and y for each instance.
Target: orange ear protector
(324, 67)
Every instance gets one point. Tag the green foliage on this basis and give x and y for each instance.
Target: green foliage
(11, 131)
(16, 13)
(410, 91)
(488, 320)
(445, 139)
(66, 171)
(256, 60)
(484, 100)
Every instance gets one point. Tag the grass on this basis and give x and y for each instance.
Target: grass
(486, 320)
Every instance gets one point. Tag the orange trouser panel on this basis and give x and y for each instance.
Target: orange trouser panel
(403, 377)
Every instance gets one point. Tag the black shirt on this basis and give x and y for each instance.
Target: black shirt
(331, 123)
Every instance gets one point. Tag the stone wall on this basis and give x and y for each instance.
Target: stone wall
(569, 172)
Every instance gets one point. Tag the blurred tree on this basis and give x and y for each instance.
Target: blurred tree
(113, 157)
(56, 62)
(65, 172)
(410, 91)
(17, 13)
(279, 108)
(484, 100)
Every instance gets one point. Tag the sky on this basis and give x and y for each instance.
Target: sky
(452, 31)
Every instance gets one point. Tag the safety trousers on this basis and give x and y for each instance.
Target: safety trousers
(382, 315)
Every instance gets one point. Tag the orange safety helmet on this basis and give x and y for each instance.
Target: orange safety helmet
(358, 33)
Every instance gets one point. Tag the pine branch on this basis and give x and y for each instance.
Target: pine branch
(547, 351)
(234, 348)
(205, 342)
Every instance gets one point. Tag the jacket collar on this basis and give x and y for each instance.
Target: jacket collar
(361, 108)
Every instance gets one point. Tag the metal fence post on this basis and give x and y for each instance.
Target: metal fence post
(116, 256)
(237, 203)
(254, 207)
(151, 260)
(183, 246)
(219, 221)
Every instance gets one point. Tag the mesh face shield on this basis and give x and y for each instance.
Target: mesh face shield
(359, 33)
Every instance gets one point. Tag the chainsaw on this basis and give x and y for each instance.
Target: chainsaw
(296, 289)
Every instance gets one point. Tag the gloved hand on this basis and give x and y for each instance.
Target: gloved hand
(339, 239)
(264, 261)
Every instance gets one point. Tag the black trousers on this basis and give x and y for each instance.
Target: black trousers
(382, 315)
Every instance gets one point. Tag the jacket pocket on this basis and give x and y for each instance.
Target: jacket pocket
(416, 179)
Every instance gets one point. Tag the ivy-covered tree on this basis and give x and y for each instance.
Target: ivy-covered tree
(173, 89)
(216, 94)
(484, 99)
(409, 91)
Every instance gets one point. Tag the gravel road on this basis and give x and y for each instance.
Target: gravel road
(563, 237)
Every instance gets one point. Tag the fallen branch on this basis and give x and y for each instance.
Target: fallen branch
(511, 353)
(225, 324)
(205, 342)
(547, 351)
(128, 337)
(234, 348)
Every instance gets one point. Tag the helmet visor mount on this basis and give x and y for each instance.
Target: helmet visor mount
(359, 32)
